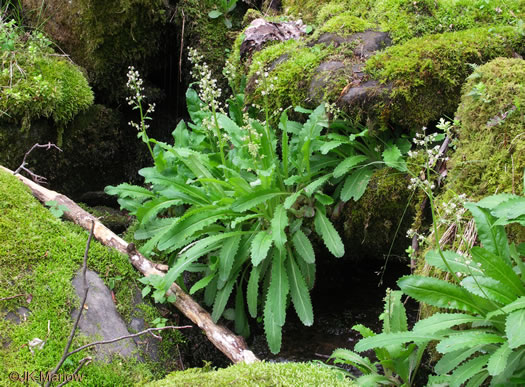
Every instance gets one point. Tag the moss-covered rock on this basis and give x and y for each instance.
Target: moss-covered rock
(406, 19)
(427, 73)
(376, 225)
(103, 37)
(39, 255)
(490, 152)
(36, 83)
(258, 374)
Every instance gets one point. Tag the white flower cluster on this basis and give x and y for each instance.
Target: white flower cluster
(134, 84)
(252, 137)
(209, 93)
(265, 81)
(425, 185)
(452, 210)
(229, 72)
(332, 110)
(411, 232)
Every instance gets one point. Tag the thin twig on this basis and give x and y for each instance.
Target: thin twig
(36, 178)
(83, 362)
(149, 330)
(65, 355)
(181, 45)
(15, 296)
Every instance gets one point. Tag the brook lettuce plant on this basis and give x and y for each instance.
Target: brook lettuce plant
(226, 201)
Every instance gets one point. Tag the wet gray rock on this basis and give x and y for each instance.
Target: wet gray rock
(260, 32)
(100, 319)
(366, 43)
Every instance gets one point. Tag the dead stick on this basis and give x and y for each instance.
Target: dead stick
(11, 297)
(233, 346)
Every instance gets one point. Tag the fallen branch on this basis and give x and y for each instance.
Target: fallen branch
(233, 346)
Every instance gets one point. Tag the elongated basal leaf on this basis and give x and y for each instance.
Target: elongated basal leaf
(303, 247)
(347, 164)
(299, 291)
(328, 233)
(252, 291)
(279, 223)
(260, 246)
(247, 202)
(514, 328)
(227, 256)
(467, 339)
(272, 329)
(438, 293)
(279, 288)
(393, 158)
(221, 300)
(386, 339)
(498, 360)
(355, 184)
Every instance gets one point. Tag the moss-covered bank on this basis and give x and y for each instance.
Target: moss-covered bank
(259, 374)
(39, 255)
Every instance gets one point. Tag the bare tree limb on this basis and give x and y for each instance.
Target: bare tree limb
(36, 178)
(233, 346)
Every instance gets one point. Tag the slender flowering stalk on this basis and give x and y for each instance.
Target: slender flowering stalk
(136, 100)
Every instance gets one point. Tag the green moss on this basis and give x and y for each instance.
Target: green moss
(406, 19)
(490, 154)
(258, 374)
(292, 64)
(427, 73)
(36, 83)
(345, 24)
(377, 223)
(39, 255)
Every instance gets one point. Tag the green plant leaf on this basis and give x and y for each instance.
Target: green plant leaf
(489, 288)
(439, 293)
(126, 190)
(221, 299)
(451, 360)
(498, 360)
(279, 223)
(347, 164)
(510, 209)
(457, 262)
(467, 370)
(497, 268)
(149, 210)
(260, 246)
(175, 236)
(316, 184)
(214, 14)
(252, 291)
(299, 292)
(247, 202)
(232, 129)
(390, 339)
(329, 235)
(290, 200)
(439, 322)
(515, 305)
(345, 356)
(355, 184)
(227, 256)
(467, 339)
(303, 247)
(202, 283)
(394, 316)
(393, 158)
(325, 200)
(279, 288)
(272, 329)
(328, 146)
(373, 380)
(514, 328)
(241, 320)
(308, 271)
(493, 238)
